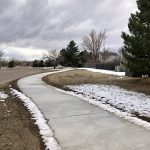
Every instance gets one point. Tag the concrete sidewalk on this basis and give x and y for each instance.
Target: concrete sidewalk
(78, 125)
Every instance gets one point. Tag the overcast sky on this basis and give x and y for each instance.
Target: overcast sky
(27, 27)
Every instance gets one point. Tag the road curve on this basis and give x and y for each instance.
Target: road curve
(78, 125)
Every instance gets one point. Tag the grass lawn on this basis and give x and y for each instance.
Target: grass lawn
(86, 77)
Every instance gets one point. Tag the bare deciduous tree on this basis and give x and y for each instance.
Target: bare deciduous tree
(94, 43)
(105, 54)
(52, 55)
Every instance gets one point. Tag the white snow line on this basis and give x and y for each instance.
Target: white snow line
(129, 101)
(104, 71)
(110, 109)
(45, 131)
(2, 100)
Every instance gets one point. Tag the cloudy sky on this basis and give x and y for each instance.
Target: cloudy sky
(28, 27)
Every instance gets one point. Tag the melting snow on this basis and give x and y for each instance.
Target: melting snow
(45, 131)
(105, 71)
(2, 100)
(123, 103)
(3, 96)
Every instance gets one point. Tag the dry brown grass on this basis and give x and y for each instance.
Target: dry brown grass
(86, 77)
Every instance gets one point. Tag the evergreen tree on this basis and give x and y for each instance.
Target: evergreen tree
(41, 63)
(83, 55)
(136, 51)
(11, 64)
(70, 55)
(35, 63)
(62, 57)
(48, 63)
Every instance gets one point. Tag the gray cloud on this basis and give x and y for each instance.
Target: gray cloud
(48, 24)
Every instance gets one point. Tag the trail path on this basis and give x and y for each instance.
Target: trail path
(78, 125)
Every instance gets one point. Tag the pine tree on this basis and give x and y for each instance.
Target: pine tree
(41, 63)
(62, 57)
(136, 51)
(11, 64)
(35, 63)
(71, 54)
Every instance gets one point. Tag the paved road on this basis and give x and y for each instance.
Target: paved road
(9, 74)
(78, 125)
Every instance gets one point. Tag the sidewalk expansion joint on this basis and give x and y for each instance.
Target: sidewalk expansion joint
(76, 116)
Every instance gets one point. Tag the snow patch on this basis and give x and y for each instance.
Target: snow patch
(45, 131)
(2, 100)
(92, 94)
(128, 101)
(104, 71)
(3, 95)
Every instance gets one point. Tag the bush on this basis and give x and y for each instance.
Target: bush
(35, 63)
(11, 64)
(41, 63)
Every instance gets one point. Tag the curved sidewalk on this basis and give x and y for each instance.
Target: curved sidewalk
(78, 125)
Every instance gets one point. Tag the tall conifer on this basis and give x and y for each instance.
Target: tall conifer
(136, 50)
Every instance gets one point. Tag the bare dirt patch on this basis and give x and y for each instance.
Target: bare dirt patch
(86, 77)
(17, 129)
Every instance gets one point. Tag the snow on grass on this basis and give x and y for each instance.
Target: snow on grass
(3, 96)
(2, 100)
(45, 131)
(123, 103)
(105, 71)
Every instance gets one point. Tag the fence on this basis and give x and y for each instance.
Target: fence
(106, 66)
